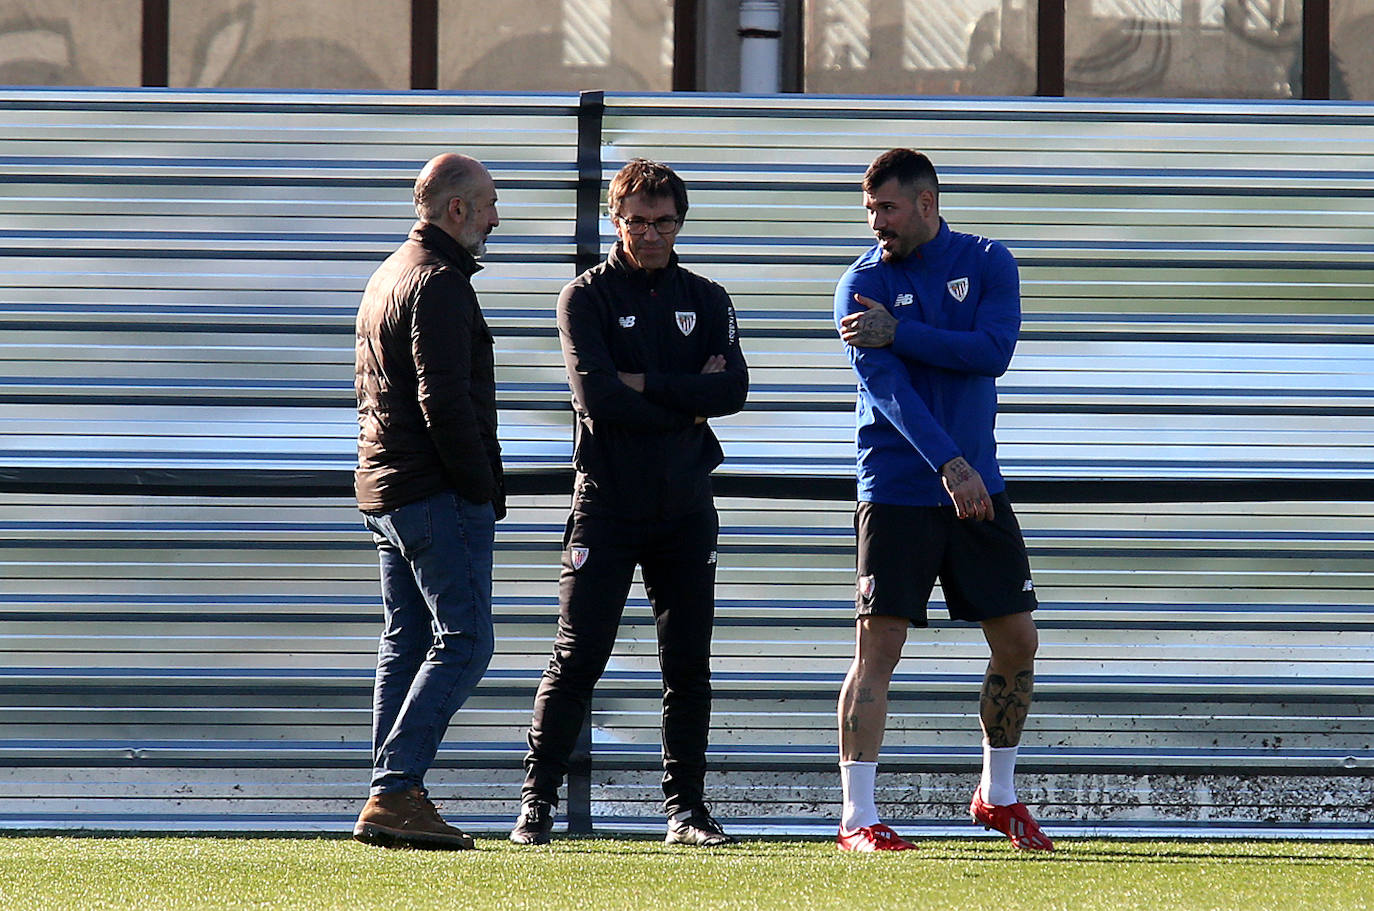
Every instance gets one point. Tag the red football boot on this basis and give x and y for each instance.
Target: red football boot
(876, 837)
(1013, 821)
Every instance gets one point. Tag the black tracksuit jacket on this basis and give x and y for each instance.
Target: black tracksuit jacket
(643, 455)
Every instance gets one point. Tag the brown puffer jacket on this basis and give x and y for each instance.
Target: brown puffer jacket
(425, 377)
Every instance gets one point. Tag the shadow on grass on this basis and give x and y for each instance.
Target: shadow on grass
(116, 834)
(1182, 851)
(976, 850)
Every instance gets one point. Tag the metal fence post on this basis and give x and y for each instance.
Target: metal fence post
(587, 234)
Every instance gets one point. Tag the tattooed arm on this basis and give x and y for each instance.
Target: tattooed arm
(965, 487)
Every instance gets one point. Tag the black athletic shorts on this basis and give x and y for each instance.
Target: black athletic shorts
(982, 566)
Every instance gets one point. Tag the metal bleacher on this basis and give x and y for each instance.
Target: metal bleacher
(188, 604)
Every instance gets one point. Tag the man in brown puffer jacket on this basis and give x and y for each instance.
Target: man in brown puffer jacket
(430, 488)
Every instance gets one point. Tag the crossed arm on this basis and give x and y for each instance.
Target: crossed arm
(875, 328)
(714, 364)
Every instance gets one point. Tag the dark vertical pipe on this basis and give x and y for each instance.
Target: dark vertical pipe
(591, 107)
(155, 42)
(424, 44)
(685, 45)
(577, 809)
(1049, 48)
(1316, 49)
(794, 46)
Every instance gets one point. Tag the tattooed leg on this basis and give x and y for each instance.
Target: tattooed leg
(863, 698)
(1003, 706)
(1010, 678)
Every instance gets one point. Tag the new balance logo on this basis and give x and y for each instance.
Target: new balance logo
(903, 300)
(627, 322)
(1028, 587)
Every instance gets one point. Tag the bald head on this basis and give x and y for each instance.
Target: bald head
(442, 178)
(456, 194)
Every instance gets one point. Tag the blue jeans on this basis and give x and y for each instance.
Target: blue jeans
(437, 637)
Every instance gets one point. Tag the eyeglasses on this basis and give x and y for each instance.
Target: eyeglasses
(665, 226)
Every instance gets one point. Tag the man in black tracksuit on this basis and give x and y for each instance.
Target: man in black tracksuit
(652, 352)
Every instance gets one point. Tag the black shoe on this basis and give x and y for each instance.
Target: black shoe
(534, 825)
(696, 827)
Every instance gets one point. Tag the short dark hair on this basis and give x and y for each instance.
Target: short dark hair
(911, 168)
(651, 178)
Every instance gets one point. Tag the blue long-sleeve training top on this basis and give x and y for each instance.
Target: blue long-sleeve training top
(931, 395)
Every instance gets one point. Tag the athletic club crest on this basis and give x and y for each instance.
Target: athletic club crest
(867, 586)
(958, 288)
(686, 321)
(579, 555)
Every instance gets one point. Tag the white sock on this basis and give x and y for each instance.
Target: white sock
(999, 770)
(859, 808)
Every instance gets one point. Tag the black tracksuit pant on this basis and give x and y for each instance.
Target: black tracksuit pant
(678, 561)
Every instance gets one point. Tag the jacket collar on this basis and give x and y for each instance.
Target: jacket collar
(936, 245)
(618, 262)
(434, 238)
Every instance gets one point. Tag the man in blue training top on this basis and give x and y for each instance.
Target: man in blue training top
(930, 317)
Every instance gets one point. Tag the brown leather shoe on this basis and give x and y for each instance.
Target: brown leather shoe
(407, 819)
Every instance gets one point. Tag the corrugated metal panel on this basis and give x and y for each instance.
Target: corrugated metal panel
(1183, 266)
(181, 272)
(1198, 305)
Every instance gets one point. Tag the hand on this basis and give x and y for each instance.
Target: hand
(872, 327)
(965, 487)
(714, 364)
(634, 380)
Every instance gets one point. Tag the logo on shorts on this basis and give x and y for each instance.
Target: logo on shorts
(579, 555)
(904, 300)
(686, 321)
(711, 558)
(958, 289)
(867, 586)
(1028, 587)
(627, 322)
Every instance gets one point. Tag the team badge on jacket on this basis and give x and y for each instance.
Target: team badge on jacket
(867, 586)
(958, 288)
(686, 321)
(578, 553)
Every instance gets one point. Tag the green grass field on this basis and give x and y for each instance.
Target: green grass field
(307, 873)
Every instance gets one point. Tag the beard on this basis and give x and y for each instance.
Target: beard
(891, 254)
(475, 243)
